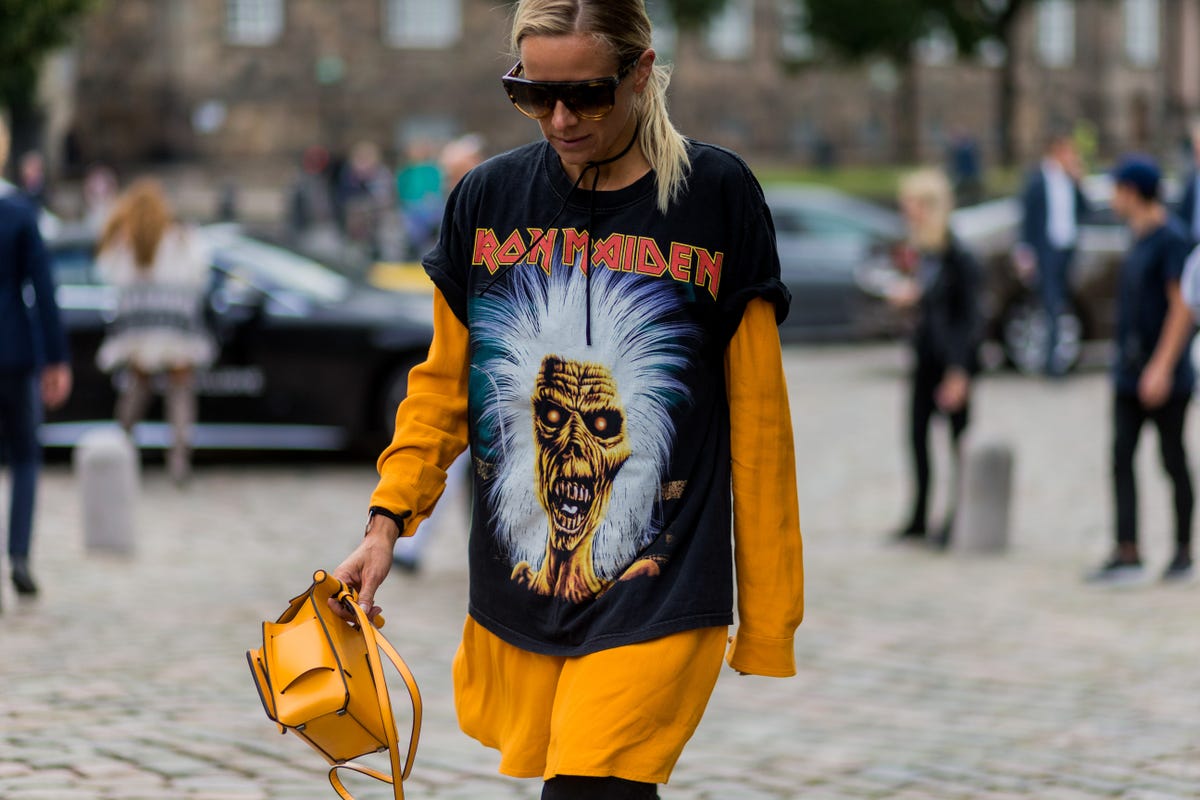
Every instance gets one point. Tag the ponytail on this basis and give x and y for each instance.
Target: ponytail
(662, 143)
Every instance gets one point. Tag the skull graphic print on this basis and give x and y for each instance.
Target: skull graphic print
(577, 437)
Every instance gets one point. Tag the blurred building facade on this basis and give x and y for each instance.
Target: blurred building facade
(246, 85)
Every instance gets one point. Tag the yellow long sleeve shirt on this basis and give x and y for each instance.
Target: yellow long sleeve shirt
(432, 430)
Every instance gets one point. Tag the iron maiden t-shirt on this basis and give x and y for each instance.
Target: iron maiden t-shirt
(599, 425)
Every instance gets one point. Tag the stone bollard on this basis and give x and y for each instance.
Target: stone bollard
(983, 514)
(106, 469)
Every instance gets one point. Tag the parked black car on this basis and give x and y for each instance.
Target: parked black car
(310, 359)
(826, 239)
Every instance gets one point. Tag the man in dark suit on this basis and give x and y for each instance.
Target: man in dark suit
(1052, 205)
(33, 361)
(1188, 208)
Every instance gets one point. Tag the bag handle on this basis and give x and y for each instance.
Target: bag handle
(375, 643)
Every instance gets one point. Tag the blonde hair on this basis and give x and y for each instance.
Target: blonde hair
(624, 26)
(930, 188)
(140, 218)
(4, 140)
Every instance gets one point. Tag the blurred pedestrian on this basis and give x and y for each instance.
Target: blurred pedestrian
(1153, 373)
(942, 288)
(1188, 208)
(1052, 204)
(33, 362)
(311, 217)
(31, 178)
(966, 167)
(100, 190)
(419, 196)
(366, 197)
(459, 157)
(161, 268)
(606, 343)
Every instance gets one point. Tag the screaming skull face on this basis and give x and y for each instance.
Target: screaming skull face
(579, 433)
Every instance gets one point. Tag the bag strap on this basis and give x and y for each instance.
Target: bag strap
(375, 643)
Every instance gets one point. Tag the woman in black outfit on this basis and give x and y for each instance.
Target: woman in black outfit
(941, 285)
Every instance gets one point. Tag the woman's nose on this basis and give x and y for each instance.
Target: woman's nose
(562, 116)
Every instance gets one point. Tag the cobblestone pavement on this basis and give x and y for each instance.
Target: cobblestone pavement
(922, 675)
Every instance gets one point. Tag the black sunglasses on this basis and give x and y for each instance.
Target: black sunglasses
(591, 99)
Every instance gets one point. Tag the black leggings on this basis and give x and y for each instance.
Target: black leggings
(575, 787)
(1128, 417)
(927, 376)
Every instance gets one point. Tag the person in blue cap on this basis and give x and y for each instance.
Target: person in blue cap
(1153, 374)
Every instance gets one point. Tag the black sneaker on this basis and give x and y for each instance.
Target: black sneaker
(22, 579)
(1117, 572)
(1180, 568)
(911, 533)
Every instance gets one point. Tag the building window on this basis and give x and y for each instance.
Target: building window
(1056, 32)
(1142, 32)
(422, 23)
(795, 42)
(253, 22)
(730, 33)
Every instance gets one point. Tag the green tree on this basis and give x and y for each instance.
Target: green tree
(864, 29)
(29, 29)
(691, 15)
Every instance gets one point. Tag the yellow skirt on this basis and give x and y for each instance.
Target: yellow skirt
(625, 712)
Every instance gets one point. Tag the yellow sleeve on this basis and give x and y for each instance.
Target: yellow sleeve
(766, 518)
(431, 423)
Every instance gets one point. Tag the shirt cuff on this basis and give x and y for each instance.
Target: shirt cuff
(762, 655)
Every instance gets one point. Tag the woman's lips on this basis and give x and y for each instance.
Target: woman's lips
(572, 143)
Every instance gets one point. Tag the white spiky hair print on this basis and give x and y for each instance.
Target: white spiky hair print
(536, 315)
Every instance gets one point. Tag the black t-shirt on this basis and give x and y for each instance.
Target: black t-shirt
(599, 425)
(1155, 260)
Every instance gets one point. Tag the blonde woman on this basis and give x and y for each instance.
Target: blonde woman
(942, 288)
(161, 268)
(606, 345)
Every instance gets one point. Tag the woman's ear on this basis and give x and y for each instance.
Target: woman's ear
(643, 71)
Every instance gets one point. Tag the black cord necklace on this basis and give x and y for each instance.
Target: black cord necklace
(591, 165)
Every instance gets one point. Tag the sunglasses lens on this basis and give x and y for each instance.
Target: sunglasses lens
(590, 100)
(531, 99)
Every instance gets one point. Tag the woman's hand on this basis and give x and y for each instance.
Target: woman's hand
(905, 294)
(951, 395)
(1154, 387)
(366, 567)
(56, 385)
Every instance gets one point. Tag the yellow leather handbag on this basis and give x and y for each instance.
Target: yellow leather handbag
(321, 678)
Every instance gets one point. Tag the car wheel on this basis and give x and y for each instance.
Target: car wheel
(1024, 337)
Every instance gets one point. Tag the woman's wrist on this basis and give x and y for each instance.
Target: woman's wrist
(382, 522)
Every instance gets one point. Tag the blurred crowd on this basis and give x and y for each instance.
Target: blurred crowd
(350, 209)
(384, 214)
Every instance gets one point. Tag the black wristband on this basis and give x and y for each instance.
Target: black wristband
(393, 516)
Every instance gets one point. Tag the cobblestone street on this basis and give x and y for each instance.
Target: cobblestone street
(922, 675)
